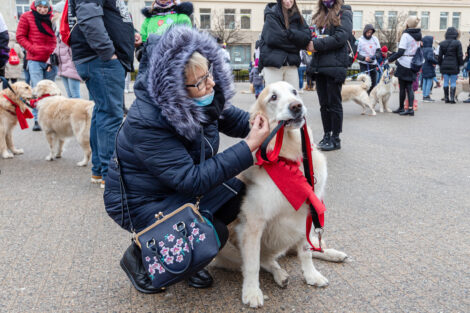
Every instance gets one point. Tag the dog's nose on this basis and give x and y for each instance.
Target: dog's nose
(295, 107)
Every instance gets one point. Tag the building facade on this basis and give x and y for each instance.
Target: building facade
(240, 22)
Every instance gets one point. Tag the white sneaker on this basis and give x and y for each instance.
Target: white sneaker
(102, 184)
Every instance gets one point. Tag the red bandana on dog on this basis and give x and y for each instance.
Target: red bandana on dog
(290, 180)
(21, 116)
(33, 102)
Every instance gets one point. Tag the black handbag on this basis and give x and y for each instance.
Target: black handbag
(54, 59)
(178, 244)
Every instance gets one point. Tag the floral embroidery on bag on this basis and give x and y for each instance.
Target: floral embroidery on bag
(193, 224)
(176, 250)
(202, 237)
(179, 242)
(169, 259)
(179, 258)
(165, 251)
(161, 244)
(170, 237)
(147, 258)
(186, 247)
(195, 231)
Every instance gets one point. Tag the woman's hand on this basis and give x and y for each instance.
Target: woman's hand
(310, 47)
(258, 133)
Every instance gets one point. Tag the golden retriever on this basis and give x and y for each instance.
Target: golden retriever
(61, 118)
(463, 85)
(383, 91)
(358, 93)
(267, 226)
(8, 119)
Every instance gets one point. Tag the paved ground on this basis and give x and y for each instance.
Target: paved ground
(398, 203)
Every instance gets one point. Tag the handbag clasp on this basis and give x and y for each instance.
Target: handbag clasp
(159, 216)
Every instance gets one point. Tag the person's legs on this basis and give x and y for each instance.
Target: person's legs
(272, 75)
(373, 77)
(65, 81)
(335, 112)
(446, 87)
(258, 89)
(427, 83)
(302, 70)
(27, 77)
(74, 87)
(322, 93)
(51, 74)
(402, 84)
(410, 93)
(36, 72)
(453, 85)
(291, 75)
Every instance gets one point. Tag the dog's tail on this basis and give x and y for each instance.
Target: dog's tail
(366, 81)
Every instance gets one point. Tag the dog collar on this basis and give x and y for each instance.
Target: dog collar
(20, 116)
(33, 102)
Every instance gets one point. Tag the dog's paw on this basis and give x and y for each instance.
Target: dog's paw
(381, 110)
(7, 155)
(18, 151)
(82, 163)
(316, 279)
(58, 156)
(373, 113)
(49, 158)
(336, 256)
(389, 110)
(253, 297)
(281, 278)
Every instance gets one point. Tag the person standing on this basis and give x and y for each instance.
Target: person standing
(368, 51)
(284, 34)
(429, 68)
(4, 50)
(36, 35)
(409, 44)
(382, 62)
(450, 59)
(328, 67)
(256, 79)
(467, 59)
(12, 70)
(302, 69)
(103, 51)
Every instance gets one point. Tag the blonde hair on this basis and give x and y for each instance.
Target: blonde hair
(196, 61)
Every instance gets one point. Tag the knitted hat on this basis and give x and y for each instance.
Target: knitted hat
(44, 3)
(412, 21)
(384, 49)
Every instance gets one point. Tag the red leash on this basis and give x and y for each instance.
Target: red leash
(294, 185)
(33, 102)
(21, 116)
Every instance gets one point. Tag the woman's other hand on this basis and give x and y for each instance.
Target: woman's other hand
(258, 133)
(310, 47)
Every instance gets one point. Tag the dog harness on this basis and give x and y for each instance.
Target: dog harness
(21, 116)
(33, 102)
(294, 185)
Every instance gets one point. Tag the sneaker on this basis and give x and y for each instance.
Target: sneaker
(36, 127)
(102, 184)
(428, 99)
(96, 179)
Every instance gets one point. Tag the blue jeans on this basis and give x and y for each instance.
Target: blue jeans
(302, 70)
(37, 72)
(427, 84)
(258, 89)
(105, 82)
(450, 78)
(72, 86)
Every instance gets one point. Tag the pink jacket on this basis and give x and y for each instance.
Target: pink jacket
(66, 66)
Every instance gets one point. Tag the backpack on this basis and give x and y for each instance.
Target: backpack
(13, 58)
(417, 61)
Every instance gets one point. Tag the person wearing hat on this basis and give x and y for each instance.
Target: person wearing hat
(450, 59)
(36, 35)
(380, 61)
(410, 41)
(368, 51)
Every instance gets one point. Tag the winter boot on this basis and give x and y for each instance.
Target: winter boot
(333, 144)
(36, 127)
(446, 94)
(399, 110)
(408, 111)
(326, 138)
(452, 95)
(201, 279)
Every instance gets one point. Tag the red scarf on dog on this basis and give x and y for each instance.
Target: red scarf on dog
(21, 116)
(33, 102)
(290, 180)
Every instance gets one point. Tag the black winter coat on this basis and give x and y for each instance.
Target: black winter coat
(429, 69)
(332, 58)
(280, 46)
(450, 53)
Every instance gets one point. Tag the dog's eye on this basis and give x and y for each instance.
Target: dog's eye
(274, 97)
(294, 92)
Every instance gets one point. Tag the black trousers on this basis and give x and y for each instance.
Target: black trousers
(406, 88)
(372, 73)
(331, 107)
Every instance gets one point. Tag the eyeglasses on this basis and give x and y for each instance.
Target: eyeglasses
(201, 83)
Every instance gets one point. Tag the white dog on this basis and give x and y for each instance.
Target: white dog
(267, 226)
(358, 93)
(463, 85)
(382, 92)
(61, 118)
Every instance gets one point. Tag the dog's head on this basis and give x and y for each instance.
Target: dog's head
(280, 102)
(22, 91)
(46, 87)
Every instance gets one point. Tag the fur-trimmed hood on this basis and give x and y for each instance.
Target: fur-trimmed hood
(182, 8)
(166, 81)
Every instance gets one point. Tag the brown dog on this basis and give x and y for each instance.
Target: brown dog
(8, 117)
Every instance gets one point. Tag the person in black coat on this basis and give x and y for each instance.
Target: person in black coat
(284, 34)
(450, 59)
(410, 41)
(179, 104)
(467, 59)
(328, 67)
(4, 49)
(429, 67)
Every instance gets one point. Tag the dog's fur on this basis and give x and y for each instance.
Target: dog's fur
(382, 92)
(8, 119)
(61, 118)
(267, 226)
(358, 93)
(463, 85)
(396, 86)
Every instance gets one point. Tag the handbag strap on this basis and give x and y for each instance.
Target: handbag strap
(122, 186)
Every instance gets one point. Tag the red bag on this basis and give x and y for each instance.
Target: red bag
(64, 29)
(13, 59)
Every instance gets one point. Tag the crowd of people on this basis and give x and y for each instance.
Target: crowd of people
(183, 90)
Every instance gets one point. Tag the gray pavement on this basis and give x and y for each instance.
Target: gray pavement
(398, 204)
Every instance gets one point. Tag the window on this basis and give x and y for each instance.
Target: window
(205, 16)
(379, 19)
(357, 20)
(245, 17)
(148, 4)
(392, 19)
(229, 18)
(456, 19)
(240, 56)
(424, 20)
(413, 13)
(443, 20)
(21, 7)
(307, 15)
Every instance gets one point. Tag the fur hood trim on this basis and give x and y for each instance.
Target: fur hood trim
(183, 8)
(166, 80)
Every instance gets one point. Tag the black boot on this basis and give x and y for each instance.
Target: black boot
(333, 144)
(131, 263)
(36, 127)
(399, 110)
(326, 138)
(201, 279)
(452, 95)
(409, 112)
(446, 94)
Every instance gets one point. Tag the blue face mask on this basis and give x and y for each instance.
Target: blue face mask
(204, 100)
